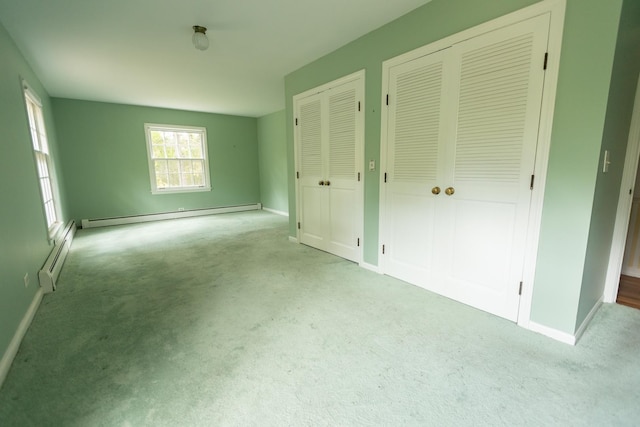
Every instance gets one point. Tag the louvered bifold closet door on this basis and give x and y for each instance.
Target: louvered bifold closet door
(415, 164)
(311, 164)
(495, 133)
(344, 135)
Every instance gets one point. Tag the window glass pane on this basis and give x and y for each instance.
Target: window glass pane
(160, 166)
(196, 150)
(162, 180)
(171, 152)
(187, 179)
(183, 151)
(174, 166)
(156, 137)
(158, 152)
(197, 166)
(170, 138)
(198, 179)
(185, 166)
(174, 180)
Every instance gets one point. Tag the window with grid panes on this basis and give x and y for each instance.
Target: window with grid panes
(177, 158)
(42, 158)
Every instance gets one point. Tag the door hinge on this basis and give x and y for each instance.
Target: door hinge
(546, 58)
(358, 105)
(385, 177)
(298, 226)
(297, 175)
(296, 121)
(358, 242)
(387, 99)
(382, 249)
(533, 177)
(358, 176)
(520, 289)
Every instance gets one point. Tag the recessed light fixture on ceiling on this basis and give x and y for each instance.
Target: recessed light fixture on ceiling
(200, 40)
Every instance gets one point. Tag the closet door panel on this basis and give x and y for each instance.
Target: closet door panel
(495, 134)
(312, 198)
(344, 136)
(415, 154)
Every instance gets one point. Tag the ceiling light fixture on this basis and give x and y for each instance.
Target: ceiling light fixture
(200, 40)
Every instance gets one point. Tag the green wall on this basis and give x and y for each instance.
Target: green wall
(24, 244)
(272, 157)
(104, 158)
(626, 68)
(587, 56)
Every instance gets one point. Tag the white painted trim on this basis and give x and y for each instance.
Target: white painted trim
(370, 267)
(556, 10)
(14, 345)
(105, 222)
(277, 212)
(293, 239)
(552, 333)
(587, 320)
(625, 200)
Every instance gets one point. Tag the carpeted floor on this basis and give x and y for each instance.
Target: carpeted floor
(220, 321)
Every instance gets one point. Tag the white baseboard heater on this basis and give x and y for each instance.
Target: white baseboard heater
(121, 220)
(48, 274)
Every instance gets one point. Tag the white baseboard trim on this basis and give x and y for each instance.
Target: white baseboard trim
(293, 239)
(14, 345)
(283, 213)
(105, 222)
(552, 333)
(631, 271)
(588, 319)
(370, 267)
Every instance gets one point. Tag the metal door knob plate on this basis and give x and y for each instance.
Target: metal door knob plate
(435, 190)
(449, 191)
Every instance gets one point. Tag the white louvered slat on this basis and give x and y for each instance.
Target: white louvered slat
(342, 134)
(492, 111)
(417, 124)
(311, 138)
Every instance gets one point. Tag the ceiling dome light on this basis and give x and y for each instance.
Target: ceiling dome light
(200, 40)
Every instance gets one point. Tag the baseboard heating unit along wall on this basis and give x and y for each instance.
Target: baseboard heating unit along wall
(50, 271)
(121, 220)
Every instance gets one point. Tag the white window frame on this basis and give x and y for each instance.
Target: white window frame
(42, 158)
(148, 128)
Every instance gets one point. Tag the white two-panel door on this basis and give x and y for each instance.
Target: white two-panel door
(459, 154)
(329, 148)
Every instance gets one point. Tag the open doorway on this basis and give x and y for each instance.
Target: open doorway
(623, 275)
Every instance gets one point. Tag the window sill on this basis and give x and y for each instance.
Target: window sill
(181, 190)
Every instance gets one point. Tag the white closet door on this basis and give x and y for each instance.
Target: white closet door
(330, 145)
(464, 119)
(495, 136)
(415, 160)
(344, 135)
(311, 169)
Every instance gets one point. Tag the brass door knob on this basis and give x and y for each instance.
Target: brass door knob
(449, 191)
(321, 183)
(435, 190)
(327, 183)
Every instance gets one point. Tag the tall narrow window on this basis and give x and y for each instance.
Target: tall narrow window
(177, 158)
(42, 157)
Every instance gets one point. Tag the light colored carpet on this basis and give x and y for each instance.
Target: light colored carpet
(220, 320)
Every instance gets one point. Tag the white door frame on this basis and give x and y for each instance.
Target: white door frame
(556, 9)
(623, 213)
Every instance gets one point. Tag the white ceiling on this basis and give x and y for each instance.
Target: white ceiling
(139, 51)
